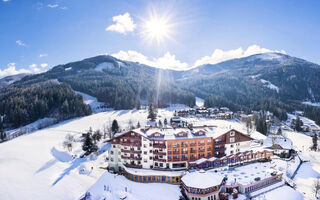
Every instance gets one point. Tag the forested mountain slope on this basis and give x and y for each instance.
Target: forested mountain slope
(271, 81)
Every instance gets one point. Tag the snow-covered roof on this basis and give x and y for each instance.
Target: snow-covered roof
(202, 179)
(150, 172)
(274, 140)
(170, 133)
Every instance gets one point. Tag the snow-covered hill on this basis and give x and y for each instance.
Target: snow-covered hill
(36, 166)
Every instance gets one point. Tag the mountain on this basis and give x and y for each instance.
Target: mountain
(271, 81)
(11, 79)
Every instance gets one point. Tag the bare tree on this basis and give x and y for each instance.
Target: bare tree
(68, 142)
(96, 136)
(316, 187)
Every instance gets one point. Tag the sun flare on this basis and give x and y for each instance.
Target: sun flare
(156, 28)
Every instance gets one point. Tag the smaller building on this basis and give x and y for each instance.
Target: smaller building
(281, 146)
(202, 185)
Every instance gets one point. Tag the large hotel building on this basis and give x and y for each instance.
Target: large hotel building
(173, 148)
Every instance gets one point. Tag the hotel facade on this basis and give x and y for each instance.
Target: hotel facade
(173, 148)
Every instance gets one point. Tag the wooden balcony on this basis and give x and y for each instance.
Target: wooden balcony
(193, 144)
(131, 151)
(131, 158)
(133, 166)
(159, 153)
(176, 152)
(201, 144)
(134, 144)
(159, 146)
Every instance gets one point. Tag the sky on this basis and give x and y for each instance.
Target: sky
(37, 35)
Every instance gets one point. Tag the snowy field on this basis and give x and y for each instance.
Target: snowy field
(36, 166)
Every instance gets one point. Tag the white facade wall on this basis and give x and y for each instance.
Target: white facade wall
(146, 147)
(237, 147)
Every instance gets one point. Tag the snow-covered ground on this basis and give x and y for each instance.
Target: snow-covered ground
(114, 187)
(36, 166)
(94, 104)
(268, 84)
(316, 104)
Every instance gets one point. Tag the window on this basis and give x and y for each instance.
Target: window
(111, 152)
(163, 178)
(232, 133)
(231, 152)
(132, 134)
(231, 146)
(232, 140)
(145, 153)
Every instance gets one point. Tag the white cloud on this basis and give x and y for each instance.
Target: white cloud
(20, 43)
(167, 61)
(43, 65)
(43, 55)
(123, 24)
(53, 5)
(220, 55)
(32, 69)
(5, 0)
(11, 70)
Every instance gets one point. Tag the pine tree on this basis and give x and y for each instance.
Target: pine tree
(165, 122)
(3, 135)
(160, 123)
(88, 145)
(151, 115)
(138, 125)
(115, 126)
(279, 132)
(298, 124)
(138, 104)
(315, 142)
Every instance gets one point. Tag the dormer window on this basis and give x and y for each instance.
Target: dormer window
(132, 134)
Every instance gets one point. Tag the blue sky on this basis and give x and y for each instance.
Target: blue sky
(36, 35)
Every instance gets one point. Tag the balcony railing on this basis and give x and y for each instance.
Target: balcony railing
(184, 158)
(193, 144)
(193, 151)
(131, 158)
(135, 144)
(176, 152)
(160, 159)
(184, 145)
(159, 153)
(131, 151)
(133, 166)
(201, 150)
(220, 142)
(201, 144)
(159, 145)
(175, 145)
(184, 152)
(220, 149)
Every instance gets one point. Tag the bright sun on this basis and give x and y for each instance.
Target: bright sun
(156, 28)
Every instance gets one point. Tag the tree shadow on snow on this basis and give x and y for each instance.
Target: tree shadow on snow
(67, 171)
(58, 156)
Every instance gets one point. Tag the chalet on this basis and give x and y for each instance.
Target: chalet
(280, 145)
